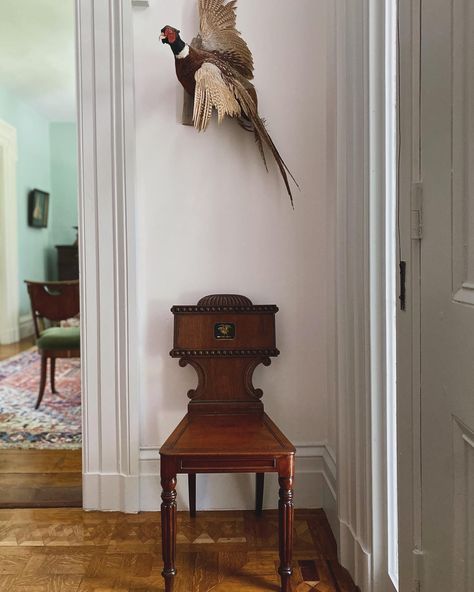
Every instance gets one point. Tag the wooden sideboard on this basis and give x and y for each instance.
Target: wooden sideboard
(68, 262)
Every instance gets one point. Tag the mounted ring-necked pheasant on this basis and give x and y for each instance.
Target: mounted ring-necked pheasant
(216, 69)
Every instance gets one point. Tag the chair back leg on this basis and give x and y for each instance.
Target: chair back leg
(260, 481)
(192, 494)
(44, 363)
(53, 370)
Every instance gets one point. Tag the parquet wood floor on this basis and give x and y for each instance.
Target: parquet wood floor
(68, 550)
(40, 479)
(8, 351)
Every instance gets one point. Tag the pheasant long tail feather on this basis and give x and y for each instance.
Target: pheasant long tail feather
(262, 136)
(274, 149)
(259, 143)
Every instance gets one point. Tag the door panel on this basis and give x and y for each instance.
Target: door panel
(447, 294)
(463, 150)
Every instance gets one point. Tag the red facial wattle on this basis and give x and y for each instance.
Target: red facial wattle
(170, 35)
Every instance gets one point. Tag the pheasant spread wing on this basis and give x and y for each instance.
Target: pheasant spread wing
(218, 34)
(212, 91)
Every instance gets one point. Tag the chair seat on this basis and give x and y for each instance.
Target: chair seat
(225, 437)
(60, 338)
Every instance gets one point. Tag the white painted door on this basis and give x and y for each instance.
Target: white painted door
(447, 295)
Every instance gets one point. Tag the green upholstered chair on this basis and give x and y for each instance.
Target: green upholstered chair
(52, 302)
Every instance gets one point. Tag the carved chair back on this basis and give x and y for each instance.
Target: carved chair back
(224, 338)
(54, 301)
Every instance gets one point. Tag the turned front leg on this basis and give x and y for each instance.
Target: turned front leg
(168, 530)
(286, 531)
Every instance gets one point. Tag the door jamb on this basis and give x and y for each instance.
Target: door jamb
(408, 321)
(9, 294)
(107, 242)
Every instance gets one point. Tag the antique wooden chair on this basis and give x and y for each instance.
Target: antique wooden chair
(224, 338)
(54, 302)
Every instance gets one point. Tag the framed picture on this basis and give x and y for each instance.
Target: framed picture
(38, 206)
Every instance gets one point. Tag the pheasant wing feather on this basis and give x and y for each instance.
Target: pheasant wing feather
(218, 34)
(212, 91)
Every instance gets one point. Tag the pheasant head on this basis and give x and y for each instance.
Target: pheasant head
(170, 35)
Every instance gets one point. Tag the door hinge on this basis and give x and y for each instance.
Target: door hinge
(417, 211)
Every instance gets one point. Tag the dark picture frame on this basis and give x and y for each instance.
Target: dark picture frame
(38, 208)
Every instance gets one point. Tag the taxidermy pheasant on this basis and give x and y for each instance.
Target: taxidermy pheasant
(216, 68)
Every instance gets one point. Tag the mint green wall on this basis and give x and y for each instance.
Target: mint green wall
(46, 160)
(63, 138)
(33, 171)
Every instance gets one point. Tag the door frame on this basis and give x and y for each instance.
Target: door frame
(9, 294)
(365, 48)
(107, 241)
(408, 321)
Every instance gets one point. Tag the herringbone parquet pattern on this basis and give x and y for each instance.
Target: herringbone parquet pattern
(68, 550)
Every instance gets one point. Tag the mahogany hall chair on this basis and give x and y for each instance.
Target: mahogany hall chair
(224, 338)
(52, 302)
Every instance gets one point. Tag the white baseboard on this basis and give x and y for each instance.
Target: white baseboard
(27, 328)
(354, 557)
(330, 499)
(10, 335)
(110, 492)
(314, 485)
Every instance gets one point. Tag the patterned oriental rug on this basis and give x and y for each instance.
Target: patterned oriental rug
(57, 423)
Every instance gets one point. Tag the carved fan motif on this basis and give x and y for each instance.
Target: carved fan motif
(233, 300)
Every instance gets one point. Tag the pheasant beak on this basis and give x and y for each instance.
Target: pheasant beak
(162, 38)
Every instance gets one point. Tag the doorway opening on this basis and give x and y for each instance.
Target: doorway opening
(40, 445)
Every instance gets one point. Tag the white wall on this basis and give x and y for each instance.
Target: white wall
(210, 219)
(63, 142)
(32, 172)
